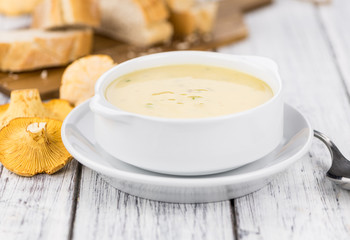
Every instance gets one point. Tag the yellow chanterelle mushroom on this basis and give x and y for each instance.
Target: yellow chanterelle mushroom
(79, 78)
(29, 146)
(27, 103)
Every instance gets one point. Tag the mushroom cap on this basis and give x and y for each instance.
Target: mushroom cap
(29, 146)
(79, 78)
(27, 103)
(59, 108)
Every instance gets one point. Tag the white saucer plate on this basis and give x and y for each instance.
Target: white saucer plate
(78, 137)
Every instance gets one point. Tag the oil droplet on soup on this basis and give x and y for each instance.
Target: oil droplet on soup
(187, 91)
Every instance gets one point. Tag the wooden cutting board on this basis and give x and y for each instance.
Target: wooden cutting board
(248, 5)
(229, 27)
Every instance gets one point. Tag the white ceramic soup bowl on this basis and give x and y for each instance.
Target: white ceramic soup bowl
(190, 146)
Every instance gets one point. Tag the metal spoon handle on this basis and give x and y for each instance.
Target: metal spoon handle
(328, 142)
(339, 172)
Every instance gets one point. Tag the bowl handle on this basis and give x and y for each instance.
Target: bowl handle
(115, 114)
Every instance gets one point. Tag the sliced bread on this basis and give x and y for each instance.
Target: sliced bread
(17, 7)
(29, 49)
(180, 5)
(198, 18)
(62, 13)
(139, 22)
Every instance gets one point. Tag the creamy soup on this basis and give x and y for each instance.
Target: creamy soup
(187, 91)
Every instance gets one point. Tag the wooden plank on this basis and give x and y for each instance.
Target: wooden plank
(106, 213)
(318, 2)
(229, 27)
(334, 20)
(38, 207)
(302, 203)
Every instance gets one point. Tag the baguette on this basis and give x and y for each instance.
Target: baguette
(24, 50)
(140, 35)
(180, 5)
(17, 7)
(139, 22)
(199, 18)
(63, 13)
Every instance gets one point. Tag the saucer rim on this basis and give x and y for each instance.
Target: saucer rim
(182, 181)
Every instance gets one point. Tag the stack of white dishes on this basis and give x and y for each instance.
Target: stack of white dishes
(157, 158)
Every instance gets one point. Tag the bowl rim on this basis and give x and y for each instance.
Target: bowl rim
(101, 86)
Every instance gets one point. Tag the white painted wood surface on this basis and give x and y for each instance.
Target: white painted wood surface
(39, 207)
(300, 204)
(111, 214)
(335, 24)
(312, 46)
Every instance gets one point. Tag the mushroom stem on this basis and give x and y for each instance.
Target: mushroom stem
(38, 131)
(22, 97)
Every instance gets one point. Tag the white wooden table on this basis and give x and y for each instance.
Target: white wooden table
(312, 46)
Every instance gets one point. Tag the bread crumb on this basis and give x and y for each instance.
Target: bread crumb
(154, 50)
(130, 54)
(207, 37)
(183, 45)
(44, 74)
(168, 43)
(192, 38)
(13, 76)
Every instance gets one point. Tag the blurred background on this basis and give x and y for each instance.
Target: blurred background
(43, 36)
